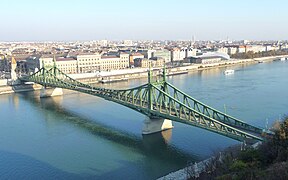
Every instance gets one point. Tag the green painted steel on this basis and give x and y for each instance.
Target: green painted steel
(158, 99)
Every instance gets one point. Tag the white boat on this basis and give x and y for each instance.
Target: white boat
(229, 71)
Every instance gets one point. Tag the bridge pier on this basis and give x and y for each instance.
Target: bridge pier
(153, 125)
(49, 92)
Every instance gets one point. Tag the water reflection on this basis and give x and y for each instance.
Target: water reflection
(155, 146)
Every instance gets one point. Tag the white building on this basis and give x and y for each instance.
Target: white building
(114, 62)
(175, 54)
(182, 53)
(88, 62)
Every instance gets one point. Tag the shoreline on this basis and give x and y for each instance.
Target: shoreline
(114, 76)
(19, 88)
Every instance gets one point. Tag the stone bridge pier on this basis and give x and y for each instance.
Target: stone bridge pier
(49, 92)
(154, 125)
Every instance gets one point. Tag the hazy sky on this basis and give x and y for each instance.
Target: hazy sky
(64, 20)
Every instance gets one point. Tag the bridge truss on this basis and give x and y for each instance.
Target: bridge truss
(158, 99)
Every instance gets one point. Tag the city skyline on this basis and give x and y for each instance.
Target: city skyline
(160, 20)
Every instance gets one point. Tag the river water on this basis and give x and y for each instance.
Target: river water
(78, 136)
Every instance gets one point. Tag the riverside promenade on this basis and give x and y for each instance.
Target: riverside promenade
(134, 73)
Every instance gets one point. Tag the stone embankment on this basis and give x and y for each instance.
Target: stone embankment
(19, 88)
(125, 74)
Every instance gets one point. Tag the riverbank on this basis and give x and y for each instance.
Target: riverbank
(19, 88)
(194, 170)
(137, 73)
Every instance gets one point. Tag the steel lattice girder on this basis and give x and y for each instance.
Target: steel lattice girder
(158, 99)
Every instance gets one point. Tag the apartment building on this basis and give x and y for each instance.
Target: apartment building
(135, 56)
(88, 62)
(114, 62)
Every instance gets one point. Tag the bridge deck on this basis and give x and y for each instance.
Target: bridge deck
(158, 99)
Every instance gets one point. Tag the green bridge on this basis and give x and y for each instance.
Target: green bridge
(158, 99)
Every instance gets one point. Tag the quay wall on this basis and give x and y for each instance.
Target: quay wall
(131, 74)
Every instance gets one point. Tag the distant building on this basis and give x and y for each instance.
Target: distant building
(164, 53)
(103, 43)
(135, 56)
(157, 62)
(88, 62)
(191, 52)
(232, 50)
(146, 63)
(114, 62)
(183, 53)
(175, 54)
(127, 43)
(241, 49)
(207, 58)
(147, 53)
(255, 48)
(223, 50)
(66, 65)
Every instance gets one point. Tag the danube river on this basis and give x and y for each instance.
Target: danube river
(78, 136)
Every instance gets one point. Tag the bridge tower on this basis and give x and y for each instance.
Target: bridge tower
(49, 92)
(153, 124)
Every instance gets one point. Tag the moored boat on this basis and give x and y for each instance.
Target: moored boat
(229, 71)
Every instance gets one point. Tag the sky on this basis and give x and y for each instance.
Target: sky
(71, 20)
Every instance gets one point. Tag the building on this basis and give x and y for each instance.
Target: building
(135, 56)
(222, 50)
(103, 43)
(147, 53)
(191, 52)
(66, 65)
(232, 50)
(109, 63)
(32, 63)
(146, 63)
(183, 53)
(88, 62)
(241, 49)
(203, 60)
(175, 54)
(163, 53)
(157, 62)
(127, 43)
(255, 48)
(207, 58)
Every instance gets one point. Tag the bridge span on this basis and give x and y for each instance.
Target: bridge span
(159, 100)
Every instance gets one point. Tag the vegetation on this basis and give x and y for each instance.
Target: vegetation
(268, 161)
(251, 54)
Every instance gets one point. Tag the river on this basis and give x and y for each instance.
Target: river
(78, 136)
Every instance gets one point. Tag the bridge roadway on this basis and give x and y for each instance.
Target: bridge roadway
(158, 100)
